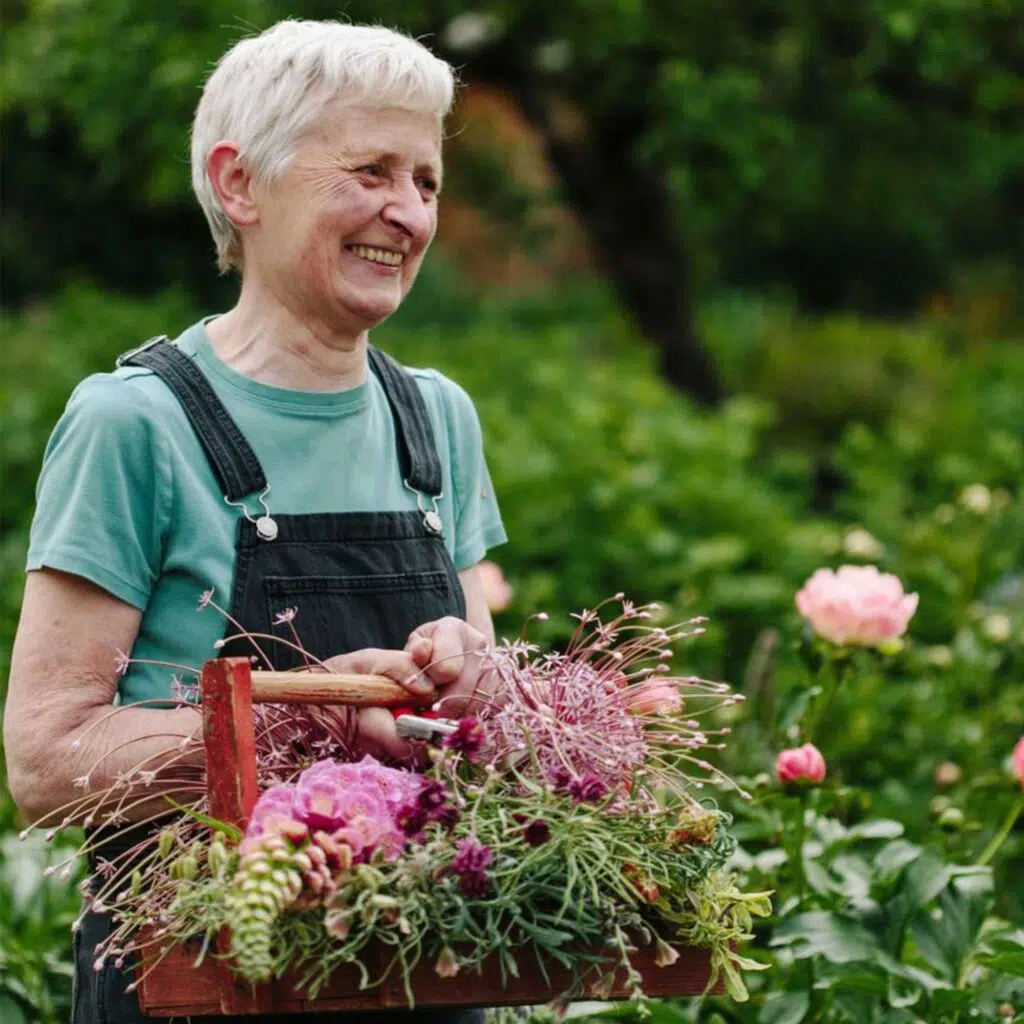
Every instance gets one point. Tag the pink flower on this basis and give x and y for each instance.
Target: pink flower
(652, 698)
(497, 591)
(1017, 760)
(274, 809)
(802, 764)
(857, 605)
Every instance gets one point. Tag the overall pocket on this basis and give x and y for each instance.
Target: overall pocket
(339, 614)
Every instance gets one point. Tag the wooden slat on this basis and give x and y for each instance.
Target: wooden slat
(229, 738)
(177, 988)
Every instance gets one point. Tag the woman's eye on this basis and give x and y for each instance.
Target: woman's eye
(372, 170)
(428, 184)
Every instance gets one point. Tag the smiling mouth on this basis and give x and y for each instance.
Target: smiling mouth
(385, 257)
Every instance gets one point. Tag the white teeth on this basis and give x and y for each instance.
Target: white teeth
(366, 252)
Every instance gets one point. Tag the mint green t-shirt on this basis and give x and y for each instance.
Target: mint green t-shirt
(128, 500)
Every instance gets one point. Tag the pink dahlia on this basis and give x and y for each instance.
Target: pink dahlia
(856, 605)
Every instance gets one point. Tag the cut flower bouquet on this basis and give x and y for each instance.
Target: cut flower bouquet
(562, 820)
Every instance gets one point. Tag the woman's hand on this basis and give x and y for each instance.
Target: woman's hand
(375, 727)
(450, 654)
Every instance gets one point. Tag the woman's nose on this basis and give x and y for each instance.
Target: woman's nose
(407, 208)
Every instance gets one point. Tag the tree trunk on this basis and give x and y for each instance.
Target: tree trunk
(625, 207)
(627, 212)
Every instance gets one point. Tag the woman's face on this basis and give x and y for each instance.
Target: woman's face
(341, 234)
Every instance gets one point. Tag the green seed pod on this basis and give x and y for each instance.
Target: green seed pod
(165, 843)
(189, 867)
(136, 882)
(217, 857)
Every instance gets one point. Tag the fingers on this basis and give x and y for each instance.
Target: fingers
(421, 649)
(396, 665)
(450, 640)
(376, 735)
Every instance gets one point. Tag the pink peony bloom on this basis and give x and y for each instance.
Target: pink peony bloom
(497, 591)
(1017, 760)
(653, 697)
(801, 764)
(856, 605)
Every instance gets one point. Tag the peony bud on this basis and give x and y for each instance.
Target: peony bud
(998, 628)
(977, 499)
(858, 543)
(801, 764)
(1017, 760)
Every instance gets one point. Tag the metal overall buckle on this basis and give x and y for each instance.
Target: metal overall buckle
(144, 347)
(432, 520)
(266, 527)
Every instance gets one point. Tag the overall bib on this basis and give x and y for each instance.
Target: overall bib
(359, 579)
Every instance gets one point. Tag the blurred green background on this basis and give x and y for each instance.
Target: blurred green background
(736, 287)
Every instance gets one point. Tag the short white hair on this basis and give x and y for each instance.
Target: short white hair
(268, 90)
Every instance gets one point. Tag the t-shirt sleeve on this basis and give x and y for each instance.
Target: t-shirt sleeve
(102, 493)
(478, 525)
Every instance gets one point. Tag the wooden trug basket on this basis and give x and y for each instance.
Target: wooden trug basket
(176, 987)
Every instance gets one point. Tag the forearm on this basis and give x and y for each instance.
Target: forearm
(111, 759)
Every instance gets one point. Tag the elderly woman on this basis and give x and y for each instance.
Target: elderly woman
(270, 454)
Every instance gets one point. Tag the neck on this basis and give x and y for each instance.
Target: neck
(263, 340)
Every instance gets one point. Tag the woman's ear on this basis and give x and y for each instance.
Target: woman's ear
(233, 184)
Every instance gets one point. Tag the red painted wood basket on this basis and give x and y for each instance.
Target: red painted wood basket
(177, 988)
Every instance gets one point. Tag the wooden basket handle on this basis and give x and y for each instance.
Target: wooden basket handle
(359, 691)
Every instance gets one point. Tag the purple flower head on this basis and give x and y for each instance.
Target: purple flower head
(589, 789)
(468, 737)
(470, 864)
(412, 819)
(448, 816)
(432, 796)
(537, 832)
(560, 779)
(274, 809)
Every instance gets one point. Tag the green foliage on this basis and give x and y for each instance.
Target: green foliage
(854, 155)
(35, 917)
(608, 482)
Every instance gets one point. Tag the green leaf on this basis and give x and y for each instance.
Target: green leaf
(793, 706)
(895, 856)
(879, 828)
(820, 933)
(859, 978)
(1008, 963)
(787, 1008)
(11, 1011)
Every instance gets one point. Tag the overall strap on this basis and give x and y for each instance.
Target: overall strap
(234, 463)
(417, 454)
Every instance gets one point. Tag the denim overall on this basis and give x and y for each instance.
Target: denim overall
(359, 579)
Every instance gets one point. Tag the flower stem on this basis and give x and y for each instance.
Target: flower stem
(799, 833)
(1000, 837)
